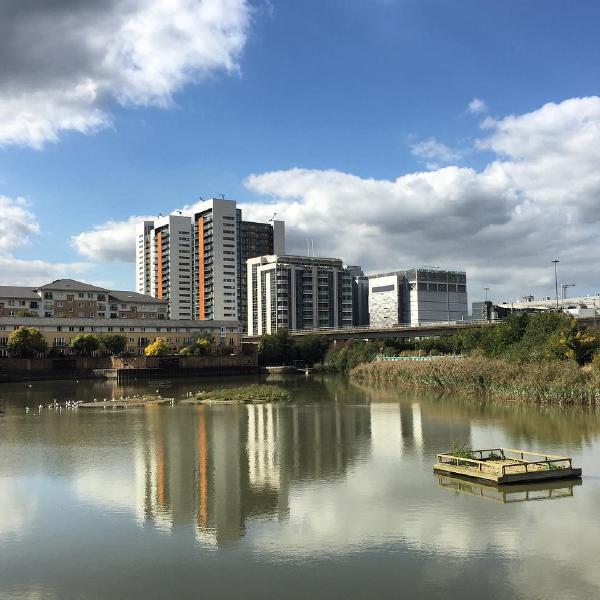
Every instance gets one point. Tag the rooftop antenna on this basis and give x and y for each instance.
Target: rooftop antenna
(160, 215)
(222, 196)
(272, 218)
(178, 211)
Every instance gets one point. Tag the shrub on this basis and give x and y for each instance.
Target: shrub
(160, 347)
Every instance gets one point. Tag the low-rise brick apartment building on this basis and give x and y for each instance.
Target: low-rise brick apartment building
(58, 332)
(67, 298)
(65, 308)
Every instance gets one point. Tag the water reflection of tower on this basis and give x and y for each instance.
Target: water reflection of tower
(322, 440)
(411, 426)
(194, 471)
(216, 467)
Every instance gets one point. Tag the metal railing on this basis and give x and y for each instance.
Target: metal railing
(517, 463)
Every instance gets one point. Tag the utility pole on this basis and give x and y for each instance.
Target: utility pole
(556, 261)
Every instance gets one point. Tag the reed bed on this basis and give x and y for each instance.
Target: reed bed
(552, 381)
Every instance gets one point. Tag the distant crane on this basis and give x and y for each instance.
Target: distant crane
(272, 218)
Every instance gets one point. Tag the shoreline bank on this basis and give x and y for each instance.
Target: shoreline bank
(557, 382)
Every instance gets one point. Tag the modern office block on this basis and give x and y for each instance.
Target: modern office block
(424, 295)
(360, 297)
(298, 292)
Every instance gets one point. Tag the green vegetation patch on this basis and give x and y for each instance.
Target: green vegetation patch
(251, 394)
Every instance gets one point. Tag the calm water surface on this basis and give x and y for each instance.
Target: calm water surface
(330, 496)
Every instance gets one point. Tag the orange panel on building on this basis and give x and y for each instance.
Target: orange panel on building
(202, 313)
(159, 291)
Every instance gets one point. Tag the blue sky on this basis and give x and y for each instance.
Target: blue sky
(366, 90)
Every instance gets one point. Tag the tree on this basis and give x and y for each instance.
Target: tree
(200, 346)
(160, 347)
(114, 344)
(26, 342)
(85, 344)
(312, 348)
(574, 342)
(25, 313)
(277, 348)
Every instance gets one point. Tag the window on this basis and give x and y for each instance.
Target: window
(81, 295)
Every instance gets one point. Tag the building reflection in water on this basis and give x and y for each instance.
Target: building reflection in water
(217, 467)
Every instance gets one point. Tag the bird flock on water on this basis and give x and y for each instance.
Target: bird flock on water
(70, 405)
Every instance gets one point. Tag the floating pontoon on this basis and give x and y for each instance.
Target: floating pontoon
(506, 465)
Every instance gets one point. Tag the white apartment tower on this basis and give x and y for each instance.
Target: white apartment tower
(164, 262)
(198, 261)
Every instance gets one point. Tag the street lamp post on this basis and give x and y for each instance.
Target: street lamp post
(563, 291)
(556, 261)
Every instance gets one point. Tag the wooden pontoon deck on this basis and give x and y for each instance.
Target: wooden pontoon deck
(507, 465)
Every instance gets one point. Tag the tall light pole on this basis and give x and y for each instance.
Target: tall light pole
(556, 261)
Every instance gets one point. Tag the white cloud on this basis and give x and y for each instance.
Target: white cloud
(109, 242)
(17, 225)
(137, 52)
(504, 224)
(537, 200)
(432, 149)
(477, 106)
(14, 271)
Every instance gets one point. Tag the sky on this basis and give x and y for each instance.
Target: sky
(392, 133)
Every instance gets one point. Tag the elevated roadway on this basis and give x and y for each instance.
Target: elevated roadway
(396, 331)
